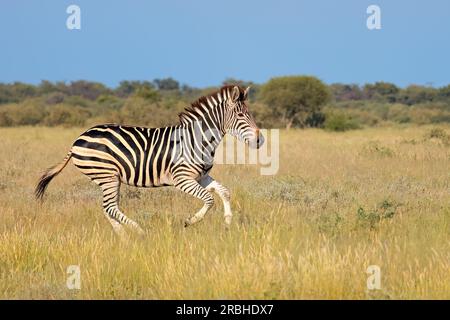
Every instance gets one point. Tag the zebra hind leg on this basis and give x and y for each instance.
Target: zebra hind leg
(117, 226)
(111, 194)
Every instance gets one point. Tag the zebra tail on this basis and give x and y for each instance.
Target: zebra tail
(48, 175)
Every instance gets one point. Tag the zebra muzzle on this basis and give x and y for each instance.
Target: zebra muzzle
(257, 142)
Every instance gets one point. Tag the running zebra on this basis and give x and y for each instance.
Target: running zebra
(179, 155)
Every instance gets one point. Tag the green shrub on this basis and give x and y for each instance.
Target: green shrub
(371, 218)
(66, 115)
(30, 112)
(399, 113)
(5, 118)
(141, 112)
(110, 101)
(315, 119)
(339, 121)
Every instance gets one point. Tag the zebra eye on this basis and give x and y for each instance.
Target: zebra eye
(240, 114)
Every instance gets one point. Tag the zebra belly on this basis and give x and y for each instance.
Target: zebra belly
(97, 165)
(127, 152)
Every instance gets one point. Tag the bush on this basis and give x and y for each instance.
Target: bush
(371, 218)
(141, 112)
(55, 98)
(438, 134)
(62, 114)
(363, 117)
(5, 117)
(31, 112)
(339, 121)
(399, 113)
(315, 120)
(110, 101)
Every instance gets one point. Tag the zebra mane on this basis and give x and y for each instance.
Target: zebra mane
(197, 106)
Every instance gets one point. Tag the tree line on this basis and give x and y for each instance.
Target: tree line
(282, 102)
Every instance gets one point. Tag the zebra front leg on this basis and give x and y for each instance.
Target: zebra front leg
(117, 227)
(212, 185)
(111, 189)
(192, 187)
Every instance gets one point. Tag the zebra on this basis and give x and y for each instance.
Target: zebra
(179, 155)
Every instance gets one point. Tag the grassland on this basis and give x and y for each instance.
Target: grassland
(339, 203)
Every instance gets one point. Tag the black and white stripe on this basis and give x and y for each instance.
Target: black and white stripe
(179, 155)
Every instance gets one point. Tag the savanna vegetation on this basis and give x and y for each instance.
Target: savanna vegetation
(340, 203)
(283, 102)
(370, 189)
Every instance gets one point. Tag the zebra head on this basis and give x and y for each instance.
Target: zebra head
(238, 121)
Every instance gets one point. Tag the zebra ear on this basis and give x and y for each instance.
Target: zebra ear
(235, 94)
(246, 93)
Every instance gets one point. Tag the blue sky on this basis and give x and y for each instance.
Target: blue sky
(202, 42)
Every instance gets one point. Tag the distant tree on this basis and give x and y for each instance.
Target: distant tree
(23, 90)
(55, 98)
(415, 94)
(345, 92)
(19, 91)
(110, 101)
(167, 84)
(124, 89)
(294, 98)
(187, 88)
(188, 94)
(127, 88)
(444, 93)
(87, 89)
(57, 88)
(381, 91)
(148, 94)
(237, 82)
(16, 92)
(47, 87)
(5, 94)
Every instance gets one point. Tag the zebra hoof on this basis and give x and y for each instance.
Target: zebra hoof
(187, 223)
(228, 221)
(138, 230)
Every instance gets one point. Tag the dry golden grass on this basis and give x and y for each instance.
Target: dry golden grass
(339, 203)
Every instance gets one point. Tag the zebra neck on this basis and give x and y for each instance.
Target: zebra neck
(204, 135)
(207, 124)
(198, 143)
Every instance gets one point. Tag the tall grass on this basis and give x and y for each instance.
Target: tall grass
(339, 203)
